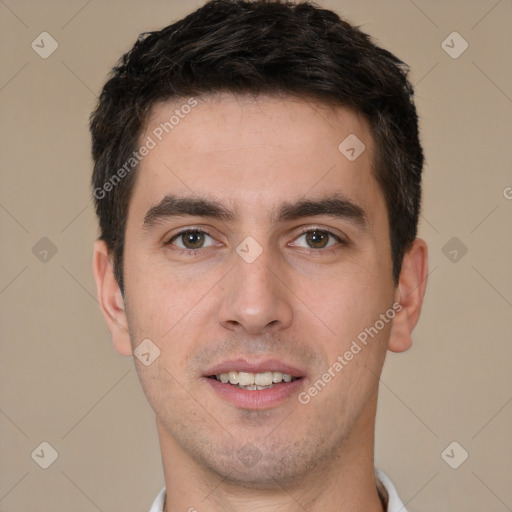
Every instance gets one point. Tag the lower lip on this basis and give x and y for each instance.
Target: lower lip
(257, 398)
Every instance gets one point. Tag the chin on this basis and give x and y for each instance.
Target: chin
(267, 467)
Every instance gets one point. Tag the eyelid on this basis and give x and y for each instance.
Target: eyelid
(341, 239)
(190, 229)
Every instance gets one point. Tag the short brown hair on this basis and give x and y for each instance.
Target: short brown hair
(260, 47)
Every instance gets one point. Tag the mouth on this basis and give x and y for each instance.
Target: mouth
(254, 381)
(260, 385)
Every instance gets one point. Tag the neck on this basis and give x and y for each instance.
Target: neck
(344, 483)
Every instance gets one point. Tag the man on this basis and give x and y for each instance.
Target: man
(257, 178)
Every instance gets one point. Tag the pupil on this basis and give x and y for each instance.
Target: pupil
(193, 240)
(317, 239)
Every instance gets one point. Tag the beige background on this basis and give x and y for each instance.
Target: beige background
(62, 382)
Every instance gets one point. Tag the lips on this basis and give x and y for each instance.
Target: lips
(254, 385)
(242, 365)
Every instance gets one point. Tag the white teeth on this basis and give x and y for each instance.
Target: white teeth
(277, 377)
(245, 379)
(253, 387)
(251, 381)
(263, 379)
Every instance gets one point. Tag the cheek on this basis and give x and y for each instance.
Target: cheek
(156, 297)
(170, 309)
(358, 337)
(355, 352)
(354, 297)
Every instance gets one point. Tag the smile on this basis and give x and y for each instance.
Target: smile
(253, 381)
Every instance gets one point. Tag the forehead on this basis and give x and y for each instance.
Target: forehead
(255, 152)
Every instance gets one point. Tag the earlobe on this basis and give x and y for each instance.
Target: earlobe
(409, 294)
(110, 298)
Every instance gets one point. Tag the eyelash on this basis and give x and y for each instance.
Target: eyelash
(194, 252)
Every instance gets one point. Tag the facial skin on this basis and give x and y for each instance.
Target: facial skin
(297, 303)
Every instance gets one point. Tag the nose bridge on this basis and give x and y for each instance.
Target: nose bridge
(254, 297)
(252, 270)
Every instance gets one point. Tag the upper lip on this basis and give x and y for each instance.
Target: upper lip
(243, 365)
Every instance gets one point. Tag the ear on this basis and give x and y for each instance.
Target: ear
(409, 293)
(110, 298)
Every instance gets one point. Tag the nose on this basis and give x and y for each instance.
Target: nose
(255, 297)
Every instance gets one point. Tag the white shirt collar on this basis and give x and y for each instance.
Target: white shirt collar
(394, 504)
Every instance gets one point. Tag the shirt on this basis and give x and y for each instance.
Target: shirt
(384, 485)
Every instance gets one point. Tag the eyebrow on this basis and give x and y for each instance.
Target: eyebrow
(334, 205)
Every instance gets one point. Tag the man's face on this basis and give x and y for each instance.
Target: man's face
(269, 288)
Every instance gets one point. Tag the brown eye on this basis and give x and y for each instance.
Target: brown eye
(318, 239)
(192, 239)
